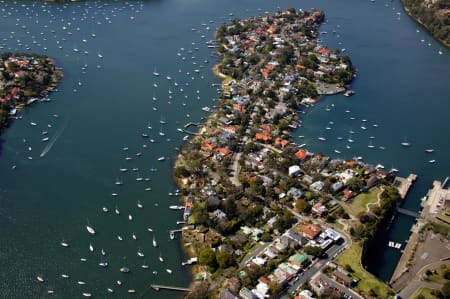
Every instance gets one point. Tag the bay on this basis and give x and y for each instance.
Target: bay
(402, 86)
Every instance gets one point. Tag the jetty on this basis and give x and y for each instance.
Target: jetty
(158, 287)
(191, 124)
(404, 184)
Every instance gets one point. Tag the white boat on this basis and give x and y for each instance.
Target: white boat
(88, 295)
(64, 276)
(149, 229)
(105, 209)
(371, 145)
(110, 290)
(155, 73)
(172, 235)
(118, 182)
(429, 150)
(169, 271)
(160, 258)
(134, 236)
(406, 143)
(90, 229)
(114, 194)
(40, 278)
(139, 205)
(140, 253)
(321, 138)
(124, 270)
(144, 266)
(44, 139)
(81, 282)
(119, 282)
(103, 252)
(130, 217)
(91, 248)
(131, 291)
(336, 151)
(162, 158)
(64, 244)
(173, 207)
(103, 264)
(117, 211)
(83, 259)
(154, 242)
(432, 161)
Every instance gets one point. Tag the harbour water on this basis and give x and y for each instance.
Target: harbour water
(105, 103)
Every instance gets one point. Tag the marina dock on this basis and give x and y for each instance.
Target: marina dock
(158, 287)
(403, 185)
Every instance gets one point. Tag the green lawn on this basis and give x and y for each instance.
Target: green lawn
(367, 282)
(425, 292)
(358, 203)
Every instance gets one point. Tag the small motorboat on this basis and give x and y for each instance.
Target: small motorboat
(169, 271)
(64, 276)
(64, 244)
(119, 238)
(81, 282)
(125, 270)
(40, 278)
(91, 248)
(88, 295)
(105, 209)
(130, 217)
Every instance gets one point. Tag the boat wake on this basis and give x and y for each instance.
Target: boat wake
(55, 137)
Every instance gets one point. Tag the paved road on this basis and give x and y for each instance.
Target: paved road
(314, 268)
(255, 252)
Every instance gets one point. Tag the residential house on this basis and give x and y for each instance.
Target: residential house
(342, 278)
(310, 231)
(245, 293)
(319, 209)
(294, 170)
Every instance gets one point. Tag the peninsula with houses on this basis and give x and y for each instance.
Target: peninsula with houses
(265, 217)
(24, 79)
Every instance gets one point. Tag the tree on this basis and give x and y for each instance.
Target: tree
(446, 290)
(207, 257)
(313, 250)
(224, 259)
(355, 184)
(301, 205)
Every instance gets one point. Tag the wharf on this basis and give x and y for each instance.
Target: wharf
(403, 185)
(158, 287)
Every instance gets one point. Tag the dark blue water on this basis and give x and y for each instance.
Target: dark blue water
(402, 86)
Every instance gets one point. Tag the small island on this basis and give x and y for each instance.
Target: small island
(24, 79)
(265, 216)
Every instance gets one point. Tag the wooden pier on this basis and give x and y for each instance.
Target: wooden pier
(158, 287)
(191, 124)
(403, 185)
